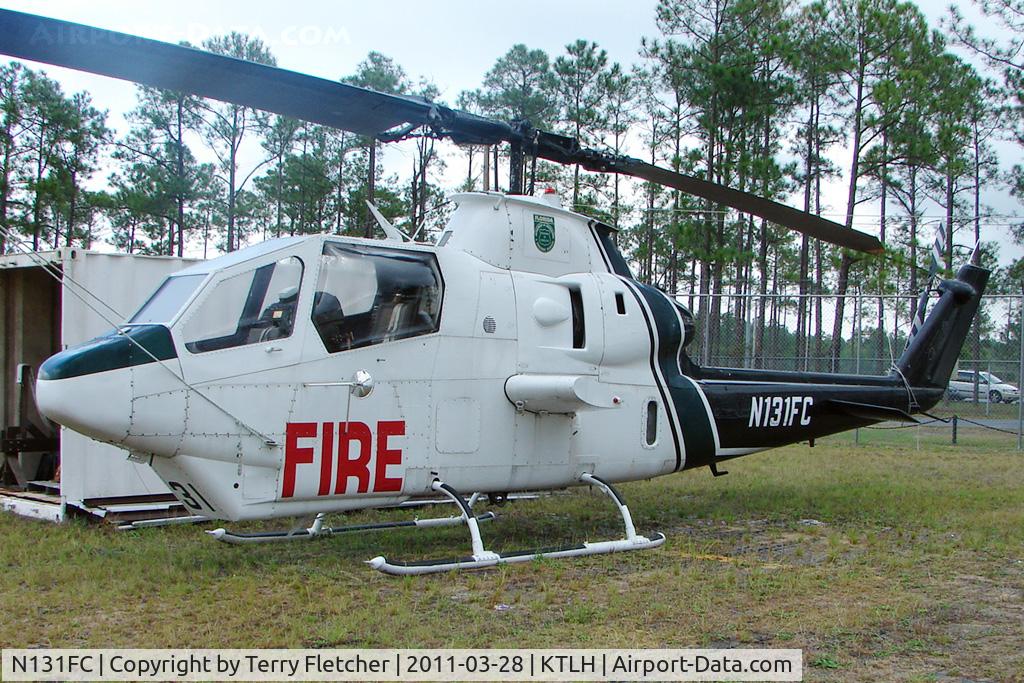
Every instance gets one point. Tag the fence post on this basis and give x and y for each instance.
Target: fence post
(1020, 379)
(954, 422)
(857, 329)
(988, 396)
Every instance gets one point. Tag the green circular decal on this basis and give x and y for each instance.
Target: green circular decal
(544, 232)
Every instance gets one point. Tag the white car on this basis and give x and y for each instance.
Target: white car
(990, 387)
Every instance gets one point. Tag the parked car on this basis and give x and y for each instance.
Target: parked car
(990, 387)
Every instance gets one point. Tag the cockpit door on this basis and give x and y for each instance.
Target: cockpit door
(250, 319)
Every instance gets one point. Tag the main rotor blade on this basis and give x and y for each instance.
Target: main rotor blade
(566, 150)
(184, 69)
(786, 216)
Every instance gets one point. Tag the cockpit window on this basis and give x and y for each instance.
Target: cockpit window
(368, 295)
(167, 300)
(254, 306)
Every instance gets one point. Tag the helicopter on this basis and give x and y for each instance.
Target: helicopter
(319, 374)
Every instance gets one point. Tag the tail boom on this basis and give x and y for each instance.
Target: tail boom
(755, 410)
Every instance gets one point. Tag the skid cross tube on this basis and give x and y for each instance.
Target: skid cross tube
(318, 530)
(483, 558)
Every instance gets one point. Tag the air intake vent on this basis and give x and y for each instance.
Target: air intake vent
(490, 325)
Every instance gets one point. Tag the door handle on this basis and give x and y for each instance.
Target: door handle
(272, 349)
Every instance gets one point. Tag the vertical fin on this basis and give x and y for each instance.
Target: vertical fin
(931, 354)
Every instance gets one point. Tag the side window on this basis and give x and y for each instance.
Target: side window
(651, 423)
(579, 325)
(254, 306)
(369, 295)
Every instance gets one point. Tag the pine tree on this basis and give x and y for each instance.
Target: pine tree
(817, 62)
(278, 142)
(225, 126)
(958, 88)
(578, 79)
(618, 90)
(381, 73)
(873, 30)
(45, 116)
(12, 127)
(519, 87)
(77, 158)
(156, 146)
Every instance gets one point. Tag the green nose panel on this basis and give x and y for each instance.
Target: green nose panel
(112, 351)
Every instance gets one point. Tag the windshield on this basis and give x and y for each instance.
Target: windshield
(992, 379)
(168, 300)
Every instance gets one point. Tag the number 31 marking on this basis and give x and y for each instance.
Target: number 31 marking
(188, 498)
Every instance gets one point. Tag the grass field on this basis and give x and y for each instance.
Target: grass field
(901, 558)
(981, 409)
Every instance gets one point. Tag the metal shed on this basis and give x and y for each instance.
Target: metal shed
(49, 473)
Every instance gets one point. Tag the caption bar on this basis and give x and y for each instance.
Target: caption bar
(402, 665)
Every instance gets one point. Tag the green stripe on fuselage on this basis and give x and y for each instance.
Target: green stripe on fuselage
(697, 432)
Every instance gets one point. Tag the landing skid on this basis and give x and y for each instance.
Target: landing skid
(318, 530)
(482, 558)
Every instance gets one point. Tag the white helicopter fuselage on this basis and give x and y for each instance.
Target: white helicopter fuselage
(523, 362)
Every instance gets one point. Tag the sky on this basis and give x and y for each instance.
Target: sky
(451, 43)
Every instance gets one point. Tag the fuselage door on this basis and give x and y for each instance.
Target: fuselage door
(247, 320)
(560, 339)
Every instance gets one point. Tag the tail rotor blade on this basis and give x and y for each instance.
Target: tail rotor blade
(934, 264)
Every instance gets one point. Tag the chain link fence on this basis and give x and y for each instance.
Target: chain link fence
(865, 333)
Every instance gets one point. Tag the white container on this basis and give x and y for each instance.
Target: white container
(39, 317)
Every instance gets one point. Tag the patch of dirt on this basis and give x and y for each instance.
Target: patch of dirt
(970, 628)
(762, 541)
